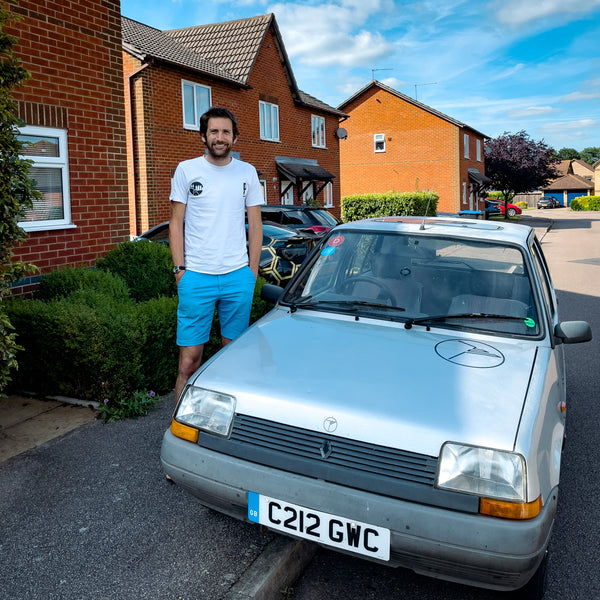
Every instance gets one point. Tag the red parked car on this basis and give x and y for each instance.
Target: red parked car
(513, 209)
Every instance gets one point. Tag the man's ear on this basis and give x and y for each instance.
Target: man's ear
(203, 137)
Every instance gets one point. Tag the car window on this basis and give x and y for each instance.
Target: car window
(463, 283)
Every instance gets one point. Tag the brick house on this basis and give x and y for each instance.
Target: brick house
(74, 117)
(172, 77)
(396, 143)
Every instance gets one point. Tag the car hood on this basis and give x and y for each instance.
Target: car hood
(405, 388)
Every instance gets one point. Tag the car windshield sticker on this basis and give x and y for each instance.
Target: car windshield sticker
(327, 251)
(469, 353)
(336, 240)
(529, 322)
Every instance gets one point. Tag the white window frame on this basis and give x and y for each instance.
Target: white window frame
(269, 121)
(50, 162)
(317, 128)
(379, 138)
(466, 144)
(309, 193)
(478, 150)
(328, 203)
(197, 108)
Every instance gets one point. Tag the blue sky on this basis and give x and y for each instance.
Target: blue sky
(496, 65)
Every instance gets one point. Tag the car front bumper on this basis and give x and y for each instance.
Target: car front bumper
(466, 548)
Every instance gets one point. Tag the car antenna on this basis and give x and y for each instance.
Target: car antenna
(422, 227)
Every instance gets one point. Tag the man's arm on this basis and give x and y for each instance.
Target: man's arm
(255, 235)
(176, 239)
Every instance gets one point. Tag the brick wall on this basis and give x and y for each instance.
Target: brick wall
(161, 142)
(73, 52)
(422, 151)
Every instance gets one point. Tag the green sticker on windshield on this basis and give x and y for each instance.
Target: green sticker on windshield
(529, 322)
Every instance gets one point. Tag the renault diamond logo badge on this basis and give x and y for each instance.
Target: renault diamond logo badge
(330, 424)
(326, 449)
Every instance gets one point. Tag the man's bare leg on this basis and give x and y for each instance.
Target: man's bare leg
(190, 358)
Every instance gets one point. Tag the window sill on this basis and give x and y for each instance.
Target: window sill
(32, 227)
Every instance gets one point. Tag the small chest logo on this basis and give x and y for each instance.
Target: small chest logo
(245, 190)
(196, 188)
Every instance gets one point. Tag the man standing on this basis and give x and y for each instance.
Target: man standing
(211, 194)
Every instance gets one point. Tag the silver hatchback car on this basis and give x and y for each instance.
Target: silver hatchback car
(404, 401)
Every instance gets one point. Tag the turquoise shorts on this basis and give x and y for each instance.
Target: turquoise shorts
(199, 293)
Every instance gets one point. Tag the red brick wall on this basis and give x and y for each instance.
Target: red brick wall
(422, 151)
(73, 52)
(162, 142)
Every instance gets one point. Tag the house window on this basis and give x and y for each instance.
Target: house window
(196, 101)
(269, 121)
(379, 142)
(328, 195)
(263, 187)
(47, 149)
(479, 150)
(466, 138)
(464, 193)
(318, 131)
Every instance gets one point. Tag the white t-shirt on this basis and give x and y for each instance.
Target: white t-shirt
(216, 200)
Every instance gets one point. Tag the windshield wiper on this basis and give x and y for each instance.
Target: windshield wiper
(349, 305)
(410, 322)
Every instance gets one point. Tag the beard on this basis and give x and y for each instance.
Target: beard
(219, 150)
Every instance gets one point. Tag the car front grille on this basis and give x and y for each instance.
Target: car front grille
(365, 466)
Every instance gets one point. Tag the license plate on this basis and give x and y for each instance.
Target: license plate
(338, 532)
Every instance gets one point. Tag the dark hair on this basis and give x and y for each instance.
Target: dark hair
(218, 112)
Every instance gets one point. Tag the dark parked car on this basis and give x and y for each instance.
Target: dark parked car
(283, 249)
(548, 202)
(307, 218)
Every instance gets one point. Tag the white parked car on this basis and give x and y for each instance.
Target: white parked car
(403, 401)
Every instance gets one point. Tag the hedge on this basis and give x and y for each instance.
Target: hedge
(365, 206)
(585, 203)
(93, 335)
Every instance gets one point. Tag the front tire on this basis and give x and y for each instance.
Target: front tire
(534, 589)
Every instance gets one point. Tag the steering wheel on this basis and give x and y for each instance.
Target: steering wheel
(385, 292)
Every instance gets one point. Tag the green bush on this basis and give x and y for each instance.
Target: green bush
(62, 283)
(585, 203)
(147, 268)
(98, 345)
(365, 206)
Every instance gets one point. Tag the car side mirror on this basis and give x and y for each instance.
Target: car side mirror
(573, 332)
(271, 293)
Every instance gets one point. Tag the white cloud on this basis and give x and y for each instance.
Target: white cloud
(333, 33)
(531, 111)
(576, 96)
(517, 13)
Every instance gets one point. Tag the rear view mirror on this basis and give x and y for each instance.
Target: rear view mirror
(573, 332)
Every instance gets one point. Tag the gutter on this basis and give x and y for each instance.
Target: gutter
(132, 151)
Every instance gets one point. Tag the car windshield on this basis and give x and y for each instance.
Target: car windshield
(421, 280)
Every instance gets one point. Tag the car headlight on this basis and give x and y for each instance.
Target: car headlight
(482, 471)
(206, 410)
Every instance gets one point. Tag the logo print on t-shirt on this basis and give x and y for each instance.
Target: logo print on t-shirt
(196, 188)
(245, 191)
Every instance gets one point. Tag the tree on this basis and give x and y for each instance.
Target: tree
(516, 164)
(568, 154)
(590, 155)
(17, 191)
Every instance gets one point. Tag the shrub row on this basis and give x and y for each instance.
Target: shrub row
(585, 203)
(106, 334)
(365, 206)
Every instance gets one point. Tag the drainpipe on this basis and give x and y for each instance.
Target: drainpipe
(132, 150)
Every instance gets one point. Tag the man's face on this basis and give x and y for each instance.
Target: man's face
(219, 137)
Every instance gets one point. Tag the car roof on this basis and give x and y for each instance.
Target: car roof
(454, 227)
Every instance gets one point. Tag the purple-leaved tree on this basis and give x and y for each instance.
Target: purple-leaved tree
(516, 164)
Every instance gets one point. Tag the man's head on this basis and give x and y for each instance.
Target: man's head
(219, 131)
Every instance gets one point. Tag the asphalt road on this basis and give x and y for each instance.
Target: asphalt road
(90, 515)
(572, 249)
